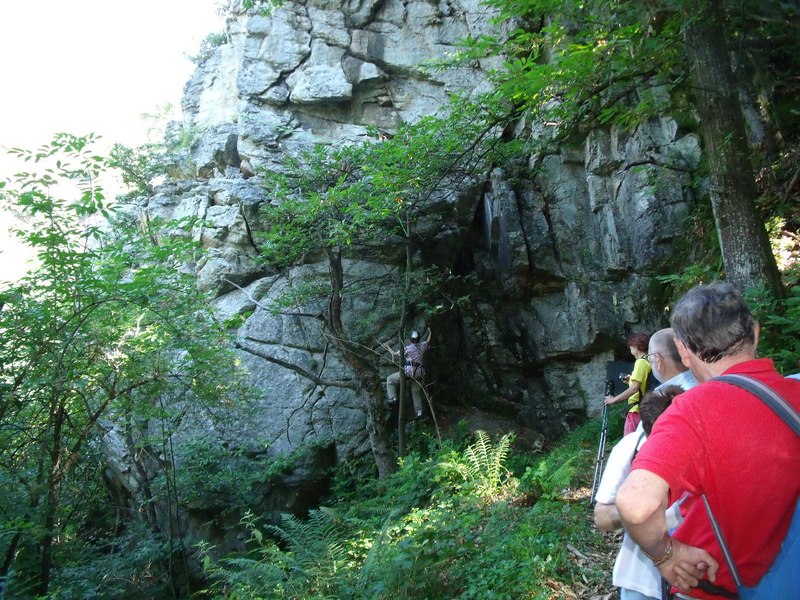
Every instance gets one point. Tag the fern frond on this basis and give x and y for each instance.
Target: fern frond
(247, 577)
(479, 454)
(482, 463)
(372, 562)
(316, 545)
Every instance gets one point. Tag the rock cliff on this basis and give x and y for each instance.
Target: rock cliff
(563, 262)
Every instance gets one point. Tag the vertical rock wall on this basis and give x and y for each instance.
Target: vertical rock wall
(562, 263)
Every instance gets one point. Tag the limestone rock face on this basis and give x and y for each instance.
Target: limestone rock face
(562, 263)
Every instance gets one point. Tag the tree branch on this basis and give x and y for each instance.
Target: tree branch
(246, 293)
(296, 368)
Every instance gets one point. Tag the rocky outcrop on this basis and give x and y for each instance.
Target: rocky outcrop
(562, 263)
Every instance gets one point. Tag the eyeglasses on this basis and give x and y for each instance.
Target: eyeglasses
(648, 357)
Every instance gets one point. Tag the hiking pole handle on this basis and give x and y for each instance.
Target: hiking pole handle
(609, 388)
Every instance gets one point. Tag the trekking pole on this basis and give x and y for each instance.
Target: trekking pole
(601, 449)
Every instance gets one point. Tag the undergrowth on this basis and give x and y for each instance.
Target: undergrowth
(451, 523)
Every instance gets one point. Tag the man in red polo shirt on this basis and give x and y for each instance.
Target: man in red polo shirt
(719, 440)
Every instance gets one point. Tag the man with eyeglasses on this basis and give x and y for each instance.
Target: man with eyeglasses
(665, 361)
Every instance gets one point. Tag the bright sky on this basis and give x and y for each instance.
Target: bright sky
(82, 66)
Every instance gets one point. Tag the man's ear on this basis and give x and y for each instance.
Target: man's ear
(756, 334)
(686, 354)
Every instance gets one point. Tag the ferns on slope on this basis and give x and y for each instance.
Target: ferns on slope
(482, 464)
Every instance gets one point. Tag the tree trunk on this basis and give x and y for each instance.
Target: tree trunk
(8, 560)
(46, 542)
(381, 449)
(50, 506)
(369, 382)
(746, 252)
(401, 421)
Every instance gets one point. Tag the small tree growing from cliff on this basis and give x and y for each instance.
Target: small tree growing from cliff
(359, 201)
(105, 326)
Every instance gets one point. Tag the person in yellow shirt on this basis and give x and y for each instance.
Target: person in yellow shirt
(637, 381)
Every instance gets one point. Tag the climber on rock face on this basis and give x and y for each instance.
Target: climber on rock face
(414, 370)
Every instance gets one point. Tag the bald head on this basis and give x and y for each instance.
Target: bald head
(665, 361)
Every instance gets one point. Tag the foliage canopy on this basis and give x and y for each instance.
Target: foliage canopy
(106, 328)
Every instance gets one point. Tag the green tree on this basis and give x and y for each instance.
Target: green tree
(105, 327)
(166, 152)
(365, 201)
(576, 66)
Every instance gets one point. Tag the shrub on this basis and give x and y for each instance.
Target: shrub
(444, 526)
(780, 327)
(207, 47)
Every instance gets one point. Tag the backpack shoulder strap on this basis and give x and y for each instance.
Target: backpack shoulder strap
(769, 396)
(785, 411)
(638, 445)
(723, 545)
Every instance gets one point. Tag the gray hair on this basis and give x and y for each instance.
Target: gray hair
(713, 321)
